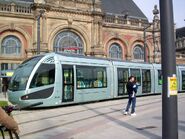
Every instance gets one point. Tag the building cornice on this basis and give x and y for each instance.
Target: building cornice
(17, 15)
(125, 26)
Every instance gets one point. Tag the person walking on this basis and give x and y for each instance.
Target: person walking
(131, 90)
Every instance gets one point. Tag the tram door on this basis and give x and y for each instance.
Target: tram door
(137, 74)
(146, 81)
(68, 83)
(183, 80)
(122, 81)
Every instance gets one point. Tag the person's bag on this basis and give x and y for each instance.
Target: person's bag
(133, 94)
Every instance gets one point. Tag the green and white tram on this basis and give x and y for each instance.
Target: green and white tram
(60, 79)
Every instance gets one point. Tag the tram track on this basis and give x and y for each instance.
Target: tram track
(89, 117)
(90, 109)
(144, 98)
(84, 110)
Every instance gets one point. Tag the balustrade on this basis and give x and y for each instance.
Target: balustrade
(13, 8)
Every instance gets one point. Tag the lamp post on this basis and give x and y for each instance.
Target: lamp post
(144, 36)
(41, 12)
(169, 92)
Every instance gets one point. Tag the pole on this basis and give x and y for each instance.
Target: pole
(169, 102)
(38, 34)
(144, 44)
(154, 42)
(144, 36)
(41, 12)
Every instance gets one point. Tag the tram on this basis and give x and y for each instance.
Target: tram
(59, 79)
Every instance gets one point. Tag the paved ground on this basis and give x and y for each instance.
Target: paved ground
(2, 97)
(103, 120)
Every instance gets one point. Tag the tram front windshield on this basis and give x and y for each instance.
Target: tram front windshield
(19, 80)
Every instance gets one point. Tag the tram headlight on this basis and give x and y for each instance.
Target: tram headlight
(25, 97)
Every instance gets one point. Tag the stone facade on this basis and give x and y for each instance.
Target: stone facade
(180, 48)
(97, 30)
(180, 45)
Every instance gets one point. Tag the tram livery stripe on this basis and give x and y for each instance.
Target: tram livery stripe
(42, 94)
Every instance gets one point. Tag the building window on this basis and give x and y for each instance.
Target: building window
(138, 52)
(4, 66)
(8, 66)
(115, 51)
(68, 41)
(7, 69)
(11, 45)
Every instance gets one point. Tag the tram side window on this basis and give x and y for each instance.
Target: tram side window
(160, 78)
(45, 75)
(183, 80)
(137, 74)
(91, 77)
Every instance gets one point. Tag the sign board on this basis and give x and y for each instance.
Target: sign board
(172, 86)
(6, 73)
(9, 74)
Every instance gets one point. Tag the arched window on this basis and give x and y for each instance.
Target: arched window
(138, 52)
(68, 41)
(115, 51)
(11, 45)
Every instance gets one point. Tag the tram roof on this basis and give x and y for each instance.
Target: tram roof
(96, 58)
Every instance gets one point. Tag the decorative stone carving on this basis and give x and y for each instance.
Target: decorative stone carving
(12, 26)
(70, 21)
(76, 4)
(39, 1)
(53, 2)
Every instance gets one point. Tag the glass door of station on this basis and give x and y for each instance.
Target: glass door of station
(68, 83)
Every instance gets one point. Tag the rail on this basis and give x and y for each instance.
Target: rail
(13, 8)
(121, 20)
(180, 56)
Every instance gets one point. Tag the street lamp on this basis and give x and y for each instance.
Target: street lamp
(144, 36)
(41, 12)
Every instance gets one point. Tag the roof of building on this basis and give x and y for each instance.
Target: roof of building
(180, 32)
(122, 7)
(19, 2)
(119, 7)
(26, 0)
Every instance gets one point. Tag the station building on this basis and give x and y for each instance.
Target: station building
(180, 44)
(102, 28)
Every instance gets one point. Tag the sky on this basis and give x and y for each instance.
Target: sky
(178, 10)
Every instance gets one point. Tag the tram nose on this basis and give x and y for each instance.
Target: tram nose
(14, 97)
